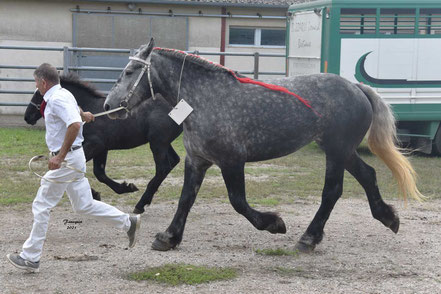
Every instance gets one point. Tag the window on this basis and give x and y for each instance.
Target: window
(257, 37)
(430, 21)
(357, 21)
(240, 36)
(397, 21)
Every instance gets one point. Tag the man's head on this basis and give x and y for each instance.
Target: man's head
(46, 76)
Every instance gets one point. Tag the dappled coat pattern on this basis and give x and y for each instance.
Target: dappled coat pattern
(233, 123)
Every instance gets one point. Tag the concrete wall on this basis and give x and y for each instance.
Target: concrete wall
(50, 23)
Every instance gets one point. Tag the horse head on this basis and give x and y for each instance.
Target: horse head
(134, 84)
(33, 114)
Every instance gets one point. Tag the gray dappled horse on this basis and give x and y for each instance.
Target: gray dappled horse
(150, 124)
(238, 120)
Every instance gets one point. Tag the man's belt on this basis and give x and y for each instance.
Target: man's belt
(73, 148)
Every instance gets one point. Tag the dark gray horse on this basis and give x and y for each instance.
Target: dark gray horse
(149, 124)
(235, 121)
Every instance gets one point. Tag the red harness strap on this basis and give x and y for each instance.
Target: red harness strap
(271, 87)
(275, 88)
(251, 81)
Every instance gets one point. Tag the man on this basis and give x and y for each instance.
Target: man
(63, 120)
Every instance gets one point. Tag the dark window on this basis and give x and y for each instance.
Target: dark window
(239, 36)
(272, 37)
(257, 36)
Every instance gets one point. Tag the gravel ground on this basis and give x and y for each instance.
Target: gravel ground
(357, 255)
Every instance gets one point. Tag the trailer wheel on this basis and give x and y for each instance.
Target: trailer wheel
(436, 143)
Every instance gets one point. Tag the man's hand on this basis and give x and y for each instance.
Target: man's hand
(55, 162)
(87, 116)
(71, 134)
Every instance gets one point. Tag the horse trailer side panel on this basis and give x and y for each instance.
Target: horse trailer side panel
(305, 43)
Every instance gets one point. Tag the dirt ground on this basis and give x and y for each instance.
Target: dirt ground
(357, 255)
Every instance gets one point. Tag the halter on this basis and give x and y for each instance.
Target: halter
(147, 64)
(145, 68)
(38, 106)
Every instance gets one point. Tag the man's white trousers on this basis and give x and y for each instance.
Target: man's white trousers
(49, 194)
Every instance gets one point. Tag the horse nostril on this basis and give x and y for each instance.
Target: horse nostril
(106, 107)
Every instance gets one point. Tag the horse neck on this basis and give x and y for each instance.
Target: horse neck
(171, 80)
(167, 81)
(85, 99)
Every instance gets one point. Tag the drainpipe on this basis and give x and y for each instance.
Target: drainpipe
(223, 29)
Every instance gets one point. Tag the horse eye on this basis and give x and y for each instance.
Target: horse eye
(129, 72)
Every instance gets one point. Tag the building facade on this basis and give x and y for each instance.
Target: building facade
(202, 25)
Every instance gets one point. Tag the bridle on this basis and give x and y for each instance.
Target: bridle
(147, 64)
(38, 106)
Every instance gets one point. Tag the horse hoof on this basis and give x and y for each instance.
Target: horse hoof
(395, 225)
(125, 187)
(132, 187)
(96, 196)
(138, 211)
(277, 227)
(304, 248)
(162, 242)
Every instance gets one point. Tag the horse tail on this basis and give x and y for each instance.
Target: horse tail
(381, 141)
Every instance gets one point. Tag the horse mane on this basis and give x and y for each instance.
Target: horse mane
(196, 59)
(74, 79)
(207, 64)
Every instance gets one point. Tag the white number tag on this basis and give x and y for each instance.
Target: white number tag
(181, 111)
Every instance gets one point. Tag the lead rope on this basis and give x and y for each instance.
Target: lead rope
(110, 111)
(39, 157)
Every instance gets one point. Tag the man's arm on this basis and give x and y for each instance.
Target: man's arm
(86, 116)
(71, 134)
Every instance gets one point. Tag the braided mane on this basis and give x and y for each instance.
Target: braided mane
(205, 63)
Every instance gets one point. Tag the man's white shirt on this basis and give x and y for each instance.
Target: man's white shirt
(61, 111)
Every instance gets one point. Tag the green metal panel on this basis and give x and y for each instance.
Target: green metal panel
(424, 129)
(331, 36)
(335, 46)
(367, 4)
(423, 119)
(417, 112)
(326, 42)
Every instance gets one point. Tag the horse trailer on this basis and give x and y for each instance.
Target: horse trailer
(391, 45)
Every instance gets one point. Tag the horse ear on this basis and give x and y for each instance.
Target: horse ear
(151, 44)
(148, 48)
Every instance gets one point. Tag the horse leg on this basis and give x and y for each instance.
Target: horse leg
(365, 175)
(89, 152)
(95, 194)
(331, 193)
(99, 166)
(234, 178)
(165, 160)
(195, 169)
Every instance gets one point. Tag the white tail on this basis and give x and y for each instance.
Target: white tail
(381, 141)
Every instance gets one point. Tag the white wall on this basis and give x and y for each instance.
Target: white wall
(49, 23)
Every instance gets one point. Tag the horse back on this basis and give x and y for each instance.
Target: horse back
(257, 123)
